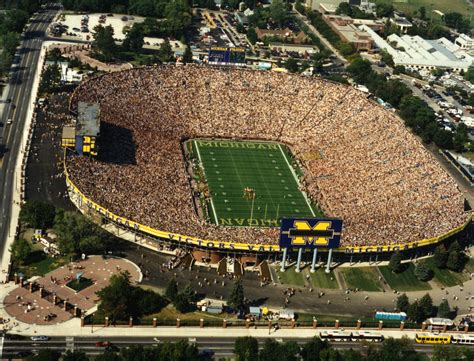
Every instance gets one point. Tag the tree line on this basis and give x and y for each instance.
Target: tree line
(76, 234)
(12, 21)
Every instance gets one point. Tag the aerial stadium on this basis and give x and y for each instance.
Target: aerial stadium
(213, 159)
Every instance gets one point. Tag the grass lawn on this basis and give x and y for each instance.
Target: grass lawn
(470, 266)
(404, 281)
(363, 278)
(410, 6)
(170, 314)
(290, 277)
(81, 284)
(38, 264)
(445, 277)
(264, 167)
(321, 279)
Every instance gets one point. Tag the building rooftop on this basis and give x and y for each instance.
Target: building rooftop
(88, 123)
(416, 51)
(69, 132)
(401, 21)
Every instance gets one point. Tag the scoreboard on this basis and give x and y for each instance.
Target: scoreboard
(310, 233)
(227, 56)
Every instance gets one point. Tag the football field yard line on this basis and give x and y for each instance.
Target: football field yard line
(204, 170)
(296, 179)
(260, 176)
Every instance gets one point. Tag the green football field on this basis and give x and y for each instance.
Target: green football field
(263, 167)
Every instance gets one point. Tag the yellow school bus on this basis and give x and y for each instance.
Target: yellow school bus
(432, 338)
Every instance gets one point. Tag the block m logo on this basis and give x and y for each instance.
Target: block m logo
(303, 234)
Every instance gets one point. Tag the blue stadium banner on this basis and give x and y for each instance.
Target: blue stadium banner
(310, 233)
(222, 55)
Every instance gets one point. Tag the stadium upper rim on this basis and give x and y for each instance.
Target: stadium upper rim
(236, 246)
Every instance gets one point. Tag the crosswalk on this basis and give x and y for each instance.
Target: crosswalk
(69, 343)
(1, 346)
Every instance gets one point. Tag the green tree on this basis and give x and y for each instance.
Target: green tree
(188, 55)
(386, 58)
(236, 297)
(415, 312)
(76, 355)
(178, 18)
(246, 349)
(184, 300)
(134, 38)
(279, 12)
(440, 256)
(448, 353)
(344, 9)
(165, 54)
(456, 21)
(120, 299)
(395, 263)
(14, 20)
(469, 75)
(360, 70)
(402, 303)
(311, 350)
(460, 138)
(240, 28)
(346, 49)
(455, 261)
(115, 299)
(422, 272)
(79, 235)
(55, 55)
(108, 356)
(252, 38)
(272, 350)
(103, 45)
(39, 215)
(444, 311)
(291, 64)
(20, 249)
(426, 304)
(171, 290)
(443, 139)
(397, 350)
(422, 12)
(384, 10)
(51, 79)
(399, 69)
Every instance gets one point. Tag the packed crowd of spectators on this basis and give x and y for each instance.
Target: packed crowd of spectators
(371, 172)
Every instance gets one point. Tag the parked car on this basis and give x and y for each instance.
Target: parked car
(103, 343)
(39, 338)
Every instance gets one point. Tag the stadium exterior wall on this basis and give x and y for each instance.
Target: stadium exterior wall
(223, 246)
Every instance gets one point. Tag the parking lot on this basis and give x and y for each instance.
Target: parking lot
(80, 27)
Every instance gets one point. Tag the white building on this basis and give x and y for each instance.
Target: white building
(402, 23)
(417, 53)
(315, 4)
(465, 42)
(367, 7)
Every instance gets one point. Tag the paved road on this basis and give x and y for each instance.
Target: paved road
(21, 84)
(222, 346)
(321, 37)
